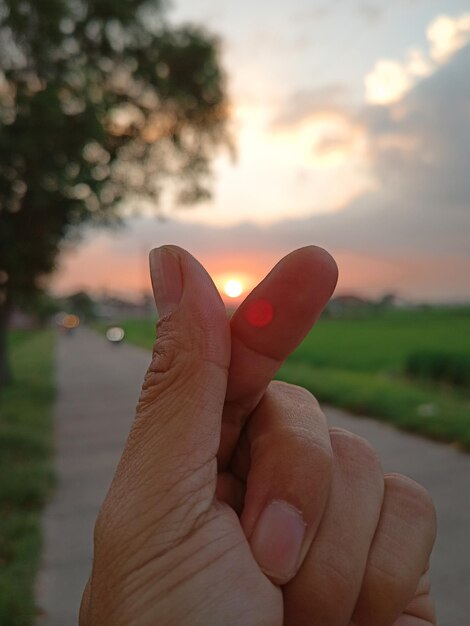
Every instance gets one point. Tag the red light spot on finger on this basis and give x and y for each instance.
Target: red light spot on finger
(259, 313)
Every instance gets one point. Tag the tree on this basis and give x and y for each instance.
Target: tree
(101, 102)
(42, 308)
(81, 304)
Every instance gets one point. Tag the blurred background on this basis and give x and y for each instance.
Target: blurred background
(239, 131)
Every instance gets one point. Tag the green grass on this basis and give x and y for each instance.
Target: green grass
(438, 414)
(26, 474)
(383, 341)
(359, 363)
(140, 332)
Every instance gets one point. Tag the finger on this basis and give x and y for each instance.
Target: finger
(170, 455)
(421, 608)
(186, 382)
(326, 588)
(399, 554)
(409, 620)
(267, 327)
(289, 478)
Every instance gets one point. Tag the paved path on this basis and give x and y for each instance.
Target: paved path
(98, 384)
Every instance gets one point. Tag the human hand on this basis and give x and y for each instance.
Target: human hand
(166, 549)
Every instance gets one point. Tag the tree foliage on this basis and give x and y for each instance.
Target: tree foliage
(100, 102)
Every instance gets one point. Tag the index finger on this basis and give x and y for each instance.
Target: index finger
(269, 324)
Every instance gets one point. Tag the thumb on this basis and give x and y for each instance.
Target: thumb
(168, 468)
(184, 390)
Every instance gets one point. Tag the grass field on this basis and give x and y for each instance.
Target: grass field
(26, 475)
(359, 363)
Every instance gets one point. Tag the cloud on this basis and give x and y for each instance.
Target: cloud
(417, 64)
(321, 10)
(431, 130)
(310, 103)
(419, 151)
(447, 35)
(387, 82)
(321, 127)
(316, 12)
(329, 144)
(419, 212)
(410, 235)
(370, 12)
(390, 80)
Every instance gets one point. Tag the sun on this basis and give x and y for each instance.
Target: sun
(233, 288)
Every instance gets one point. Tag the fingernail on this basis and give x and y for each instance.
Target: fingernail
(167, 279)
(277, 540)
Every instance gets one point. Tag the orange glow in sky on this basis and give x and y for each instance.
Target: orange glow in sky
(98, 268)
(233, 286)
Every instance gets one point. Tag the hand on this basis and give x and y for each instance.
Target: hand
(168, 551)
(368, 562)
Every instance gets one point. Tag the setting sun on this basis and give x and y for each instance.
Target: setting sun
(233, 288)
(234, 285)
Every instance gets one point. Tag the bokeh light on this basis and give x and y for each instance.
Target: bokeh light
(259, 313)
(115, 334)
(70, 322)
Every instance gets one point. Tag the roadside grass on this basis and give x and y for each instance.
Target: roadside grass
(140, 332)
(26, 474)
(359, 363)
(438, 414)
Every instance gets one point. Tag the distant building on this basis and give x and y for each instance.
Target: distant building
(116, 308)
(347, 303)
(352, 304)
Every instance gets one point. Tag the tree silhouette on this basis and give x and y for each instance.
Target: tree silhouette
(101, 102)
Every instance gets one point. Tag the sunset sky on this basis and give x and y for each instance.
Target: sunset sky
(352, 125)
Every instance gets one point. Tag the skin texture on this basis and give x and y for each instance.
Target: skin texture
(217, 452)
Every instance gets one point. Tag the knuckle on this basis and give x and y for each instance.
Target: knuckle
(301, 425)
(176, 356)
(295, 452)
(338, 573)
(293, 392)
(170, 349)
(382, 581)
(355, 452)
(180, 349)
(309, 447)
(278, 387)
(414, 496)
(349, 444)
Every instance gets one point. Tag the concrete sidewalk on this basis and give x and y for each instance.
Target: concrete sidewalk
(98, 384)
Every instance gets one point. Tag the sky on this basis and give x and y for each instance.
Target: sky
(352, 127)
